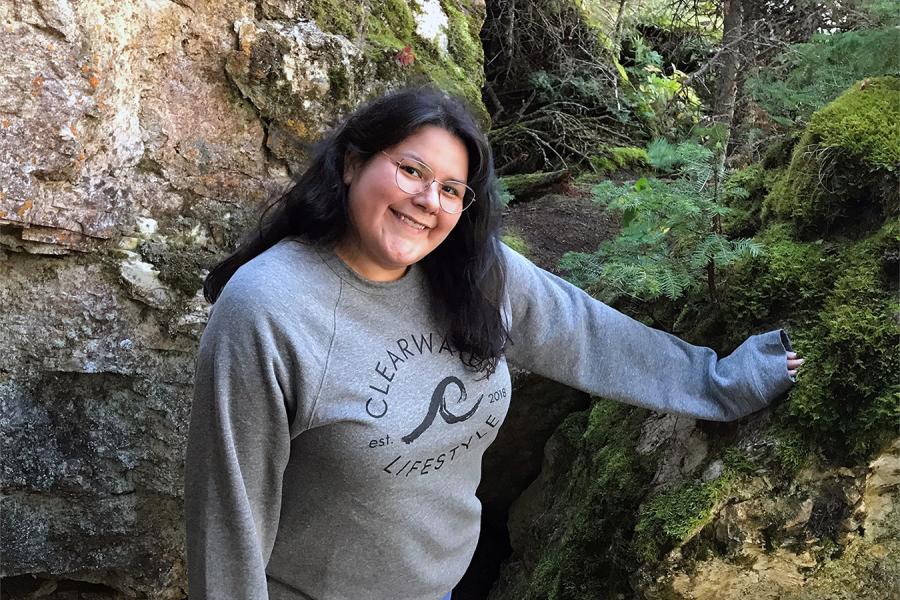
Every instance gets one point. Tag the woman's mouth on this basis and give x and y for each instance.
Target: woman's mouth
(409, 222)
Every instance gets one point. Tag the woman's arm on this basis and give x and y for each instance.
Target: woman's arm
(560, 332)
(238, 447)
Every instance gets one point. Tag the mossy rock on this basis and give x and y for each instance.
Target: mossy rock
(845, 163)
(391, 32)
(849, 398)
(529, 185)
(302, 73)
(839, 302)
(620, 158)
(583, 552)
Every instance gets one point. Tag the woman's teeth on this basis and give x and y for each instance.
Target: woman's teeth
(410, 222)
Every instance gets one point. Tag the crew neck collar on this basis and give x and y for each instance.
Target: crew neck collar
(409, 281)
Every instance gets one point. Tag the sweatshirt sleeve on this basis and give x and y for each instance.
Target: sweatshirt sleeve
(237, 450)
(560, 332)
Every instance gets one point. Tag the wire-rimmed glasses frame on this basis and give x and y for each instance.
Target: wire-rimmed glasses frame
(414, 177)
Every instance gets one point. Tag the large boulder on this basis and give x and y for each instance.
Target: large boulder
(845, 164)
(137, 140)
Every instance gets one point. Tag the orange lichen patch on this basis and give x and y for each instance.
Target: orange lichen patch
(59, 237)
(94, 81)
(4, 123)
(298, 127)
(37, 84)
(74, 129)
(26, 206)
(86, 69)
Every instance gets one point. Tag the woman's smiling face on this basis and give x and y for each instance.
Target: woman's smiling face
(391, 229)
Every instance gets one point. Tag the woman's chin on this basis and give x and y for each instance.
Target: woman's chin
(404, 252)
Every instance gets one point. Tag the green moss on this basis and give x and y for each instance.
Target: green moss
(392, 21)
(338, 83)
(391, 27)
(516, 242)
(840, 305)
(744, 191)
(845, 162)
(589, 558)
(863, 122)
(463, 41)
(787, 284)
(339, 18)
(792, 450)
(522, 185)
(672, 516)
(848, 394)
(677, 514)
(620, 158)
(737, 462)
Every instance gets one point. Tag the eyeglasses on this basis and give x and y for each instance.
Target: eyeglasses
(414, 177)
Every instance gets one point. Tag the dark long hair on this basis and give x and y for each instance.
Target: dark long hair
(465, 280)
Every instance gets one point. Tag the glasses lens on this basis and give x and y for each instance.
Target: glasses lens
(412, 176)
(456, 197)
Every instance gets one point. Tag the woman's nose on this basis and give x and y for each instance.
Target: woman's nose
(429, 198)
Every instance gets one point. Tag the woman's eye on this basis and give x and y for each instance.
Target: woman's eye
(451, 191)
(411, 171)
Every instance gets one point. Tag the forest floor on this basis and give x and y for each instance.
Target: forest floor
(554, 224)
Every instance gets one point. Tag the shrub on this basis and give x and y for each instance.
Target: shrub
(808, 76)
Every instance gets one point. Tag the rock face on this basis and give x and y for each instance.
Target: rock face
(137, 139)
(704, 524)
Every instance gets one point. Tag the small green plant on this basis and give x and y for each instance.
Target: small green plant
(671, 239)
(505, 195)
(661, 101)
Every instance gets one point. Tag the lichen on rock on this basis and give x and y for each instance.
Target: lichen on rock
(302, 74)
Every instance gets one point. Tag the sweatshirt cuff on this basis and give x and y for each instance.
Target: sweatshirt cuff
(773, 379)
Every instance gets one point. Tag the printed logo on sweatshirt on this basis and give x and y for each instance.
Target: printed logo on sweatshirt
(449, 402)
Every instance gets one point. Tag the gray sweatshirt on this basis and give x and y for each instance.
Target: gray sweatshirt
(336, 439)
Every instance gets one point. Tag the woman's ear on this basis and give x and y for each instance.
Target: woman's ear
(351, 166)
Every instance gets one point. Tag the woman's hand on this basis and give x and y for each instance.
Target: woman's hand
(793, 363)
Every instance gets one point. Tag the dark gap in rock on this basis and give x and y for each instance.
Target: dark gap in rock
(30, 585)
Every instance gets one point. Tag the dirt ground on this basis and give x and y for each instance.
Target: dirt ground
(555, 224)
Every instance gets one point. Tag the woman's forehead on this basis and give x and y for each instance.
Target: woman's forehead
(441, 150)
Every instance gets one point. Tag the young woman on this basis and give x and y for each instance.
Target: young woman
(354, 371)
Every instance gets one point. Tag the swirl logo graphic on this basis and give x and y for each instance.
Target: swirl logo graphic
(439, 405)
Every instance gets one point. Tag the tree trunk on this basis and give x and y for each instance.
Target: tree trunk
(617, 28)
(723, 109)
